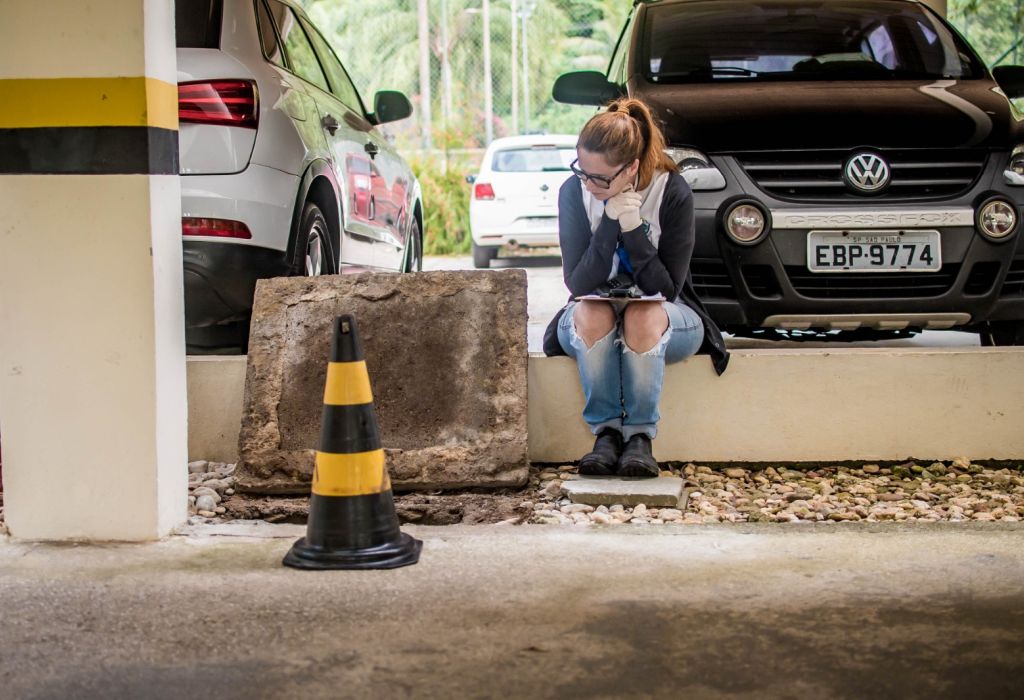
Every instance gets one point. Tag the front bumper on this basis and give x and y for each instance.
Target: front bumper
(220, 279)
(769, 285)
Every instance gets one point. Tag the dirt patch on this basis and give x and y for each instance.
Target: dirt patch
(469, 507)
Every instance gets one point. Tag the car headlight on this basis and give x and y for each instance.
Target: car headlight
(1014, 173)
(697, 169)
(997, 219)
(746, 222)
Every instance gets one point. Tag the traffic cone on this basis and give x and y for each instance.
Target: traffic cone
(352, 522)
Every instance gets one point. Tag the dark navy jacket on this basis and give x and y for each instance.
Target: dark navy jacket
(587, 258)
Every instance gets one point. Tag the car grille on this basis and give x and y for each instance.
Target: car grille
(818, 176)
(761, 281)
(872, 285)
(983, 276)
(711, 279)
(1013, 285)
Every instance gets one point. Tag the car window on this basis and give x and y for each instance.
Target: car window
(617, 66)
(268, 37)
(717, 40)
(341, 85)
(301, 59)
(536, 159)
(197, 23)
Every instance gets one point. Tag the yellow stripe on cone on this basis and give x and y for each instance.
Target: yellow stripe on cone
(354, 474)
(348, 384)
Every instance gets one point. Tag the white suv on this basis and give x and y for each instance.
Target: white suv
(515, 194)
(283, 169)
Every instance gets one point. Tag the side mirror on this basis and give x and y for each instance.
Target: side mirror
(585, 87)
(1010, 79)
(390, 106)
(471, 179)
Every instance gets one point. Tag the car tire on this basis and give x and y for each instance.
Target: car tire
(414, 249)
(314, 253)
(483, 255)
(997, 333)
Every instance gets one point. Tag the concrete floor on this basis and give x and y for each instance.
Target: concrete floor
(758, 611)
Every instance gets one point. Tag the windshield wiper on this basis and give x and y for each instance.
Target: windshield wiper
(732, 70)
(715, 70)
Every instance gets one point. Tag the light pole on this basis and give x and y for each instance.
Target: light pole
(425, 96)
(485, 15)
(515, 70)
(528, 7)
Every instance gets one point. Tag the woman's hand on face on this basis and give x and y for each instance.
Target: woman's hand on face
(630, 218)
(620, 203)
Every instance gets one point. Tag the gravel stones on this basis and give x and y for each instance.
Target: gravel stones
(208, 484)
(955, 492)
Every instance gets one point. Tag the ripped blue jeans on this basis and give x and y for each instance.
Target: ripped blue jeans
(622, 388)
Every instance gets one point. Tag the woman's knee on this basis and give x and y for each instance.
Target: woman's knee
(593, 320)
(643, 326)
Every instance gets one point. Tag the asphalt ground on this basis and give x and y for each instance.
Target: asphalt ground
(547, 293)
(738, 611)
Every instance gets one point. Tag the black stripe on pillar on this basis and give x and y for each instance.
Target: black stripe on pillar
(348, 429)
(89, 150)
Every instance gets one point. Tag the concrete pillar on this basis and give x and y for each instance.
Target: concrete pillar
(92, 362)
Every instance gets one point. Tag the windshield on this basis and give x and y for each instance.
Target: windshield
(536, 159)
(721, 40)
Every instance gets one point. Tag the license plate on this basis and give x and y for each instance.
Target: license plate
(543, 222)
(873, 251)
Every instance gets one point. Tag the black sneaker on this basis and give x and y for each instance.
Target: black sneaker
(636, 459)
(603, 459)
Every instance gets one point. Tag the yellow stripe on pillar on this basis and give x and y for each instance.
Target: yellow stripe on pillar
(82, 102)
(354, 474)
(348, 384)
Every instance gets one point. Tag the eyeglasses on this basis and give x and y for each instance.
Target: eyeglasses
(601, 181)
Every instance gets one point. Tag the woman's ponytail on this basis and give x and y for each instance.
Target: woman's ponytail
(626, 131)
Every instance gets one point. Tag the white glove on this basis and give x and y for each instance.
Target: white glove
(630, 219)
(624, 200)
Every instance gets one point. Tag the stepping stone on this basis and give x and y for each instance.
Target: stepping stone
(665, 491)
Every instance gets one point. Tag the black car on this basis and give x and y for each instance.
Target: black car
(855, 165)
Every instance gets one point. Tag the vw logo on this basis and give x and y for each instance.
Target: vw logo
(867, 172)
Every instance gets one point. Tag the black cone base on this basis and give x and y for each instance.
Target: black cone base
(391, 555)
(353, 532)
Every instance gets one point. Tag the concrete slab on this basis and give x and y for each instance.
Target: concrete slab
(753, 611)
(665, 491)
(446, 355)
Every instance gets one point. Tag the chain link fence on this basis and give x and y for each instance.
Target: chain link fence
(474, 69)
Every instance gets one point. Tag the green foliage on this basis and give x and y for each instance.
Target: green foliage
(445, 208)
(992, 27)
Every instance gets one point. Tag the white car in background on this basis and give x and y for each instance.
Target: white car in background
(283, 168)
(515, 194)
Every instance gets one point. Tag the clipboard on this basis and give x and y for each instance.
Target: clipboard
(619, 300)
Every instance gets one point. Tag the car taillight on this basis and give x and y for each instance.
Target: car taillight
(219, 102)
(483, 190)
(221, 228)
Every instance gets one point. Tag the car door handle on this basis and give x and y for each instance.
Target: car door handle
(330, 123)
(372, 148)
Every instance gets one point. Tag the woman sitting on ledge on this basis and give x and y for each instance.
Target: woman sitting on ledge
(625, 220)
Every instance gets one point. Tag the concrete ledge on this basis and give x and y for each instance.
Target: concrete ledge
(802, 405)
(810, 405)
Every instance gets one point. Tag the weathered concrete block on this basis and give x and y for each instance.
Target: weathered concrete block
(446, 353)
(602, 491)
